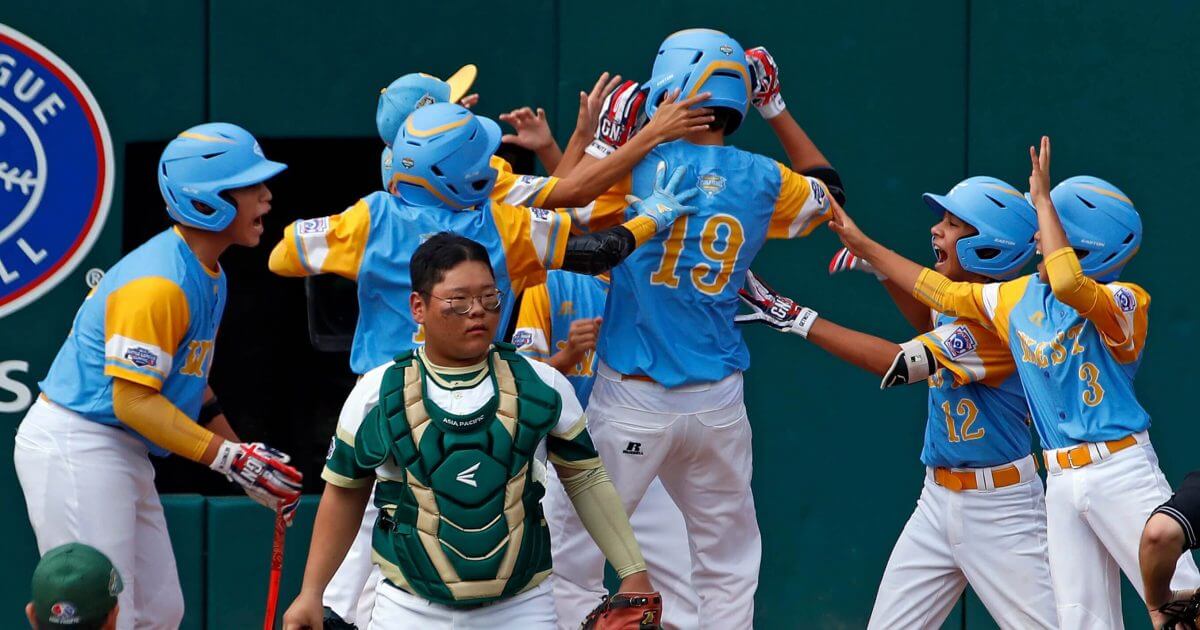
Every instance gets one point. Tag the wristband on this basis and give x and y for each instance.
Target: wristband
(804, 322)
(209, 411)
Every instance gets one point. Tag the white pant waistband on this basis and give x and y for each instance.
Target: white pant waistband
(988, 478)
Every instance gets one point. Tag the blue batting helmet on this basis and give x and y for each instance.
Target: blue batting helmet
(1101, 224)
(441, 156)
(412, 91)
(1005, 220)
(702, 60)
(205, 161)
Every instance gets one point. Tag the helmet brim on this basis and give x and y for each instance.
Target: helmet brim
(256, 174)
(461, 82)
(939, 204)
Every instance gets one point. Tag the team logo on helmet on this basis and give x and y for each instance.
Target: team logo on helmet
(407, 162)
(960, 342)
(711, 184)
(115, 585)
(423, 101)
(63, 612)
(56, 170)
(727, 49)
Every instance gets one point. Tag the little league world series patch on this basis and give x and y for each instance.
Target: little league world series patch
(56, 170)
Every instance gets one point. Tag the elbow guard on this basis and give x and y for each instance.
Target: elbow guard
(829, 176)
(913, 364)
(596, 253)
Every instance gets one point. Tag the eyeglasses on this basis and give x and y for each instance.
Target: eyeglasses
(490, 301)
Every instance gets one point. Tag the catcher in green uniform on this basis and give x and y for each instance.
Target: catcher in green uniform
(456, 435)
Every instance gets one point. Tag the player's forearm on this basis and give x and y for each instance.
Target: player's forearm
(1051, 233)
(901, 271)
(603, 515)
(338, 518)
(1161, 545)
(868, 352)
(916, 313)
(550, 156)
(574, 155)
(562, 360)
(155, 418)
(592, 177)
(802, 152)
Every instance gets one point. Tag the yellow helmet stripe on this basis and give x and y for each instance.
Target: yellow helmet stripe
(740, 68)
(425, 133)
(200, 136)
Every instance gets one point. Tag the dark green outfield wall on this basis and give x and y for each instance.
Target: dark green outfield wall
(903, 97)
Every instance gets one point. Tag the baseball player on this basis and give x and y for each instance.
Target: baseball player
(454, 435)
(75, 586)
(1169, 533)
(443, 191)
(981, 517)
(1077, 336)
(559, 324)
(131, 378)
(668, 405)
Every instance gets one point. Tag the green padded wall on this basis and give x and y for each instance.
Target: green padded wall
(186, 522)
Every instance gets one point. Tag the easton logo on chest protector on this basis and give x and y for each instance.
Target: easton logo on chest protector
(56, 170)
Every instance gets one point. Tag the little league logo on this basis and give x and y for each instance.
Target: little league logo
(960, 342)
(56, 170)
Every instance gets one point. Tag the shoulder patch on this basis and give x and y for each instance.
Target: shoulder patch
(313, 226)
(522, 338)
(1125, 299)
(960, 342)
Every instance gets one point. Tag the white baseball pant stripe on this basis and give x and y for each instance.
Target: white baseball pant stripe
(399, 610)
(993, 539)
(91, 483)
(1095, 515)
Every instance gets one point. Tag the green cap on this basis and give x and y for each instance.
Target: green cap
(74, 585)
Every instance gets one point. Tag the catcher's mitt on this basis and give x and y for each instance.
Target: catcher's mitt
(333, 621)
(626, 611)
(1181, 614)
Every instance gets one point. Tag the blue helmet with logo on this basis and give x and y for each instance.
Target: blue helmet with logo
(412, 91)
(202, 163)
(1005, 220)
(702, 60)
(442, 155)
(1101, 224)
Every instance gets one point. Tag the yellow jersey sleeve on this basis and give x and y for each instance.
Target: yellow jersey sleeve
(608, 210)
(144, 322)
(534, 240)
(802, 205)
(988, 304)
(971, 352)
(532, 335)
(519, 190)
(1119, 310)
(332, 244)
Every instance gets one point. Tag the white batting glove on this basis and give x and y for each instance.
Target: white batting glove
(764, 80)
(263, 473)
(843, 260)
(770, 308)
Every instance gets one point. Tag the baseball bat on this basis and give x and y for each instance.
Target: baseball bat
(276, 570)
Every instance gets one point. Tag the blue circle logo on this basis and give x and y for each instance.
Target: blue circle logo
(56, 170)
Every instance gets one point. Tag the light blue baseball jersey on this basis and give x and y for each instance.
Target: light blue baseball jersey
(977, 412)
(671, 306)
(152, 320)
(374, 239)
(1078, 380)
(544, 322)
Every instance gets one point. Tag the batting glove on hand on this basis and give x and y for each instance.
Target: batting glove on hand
(263, 473)
(621, 117)
(1180, 613)
(764, 80)
(843, 260)
(771, 308)
(664, 206)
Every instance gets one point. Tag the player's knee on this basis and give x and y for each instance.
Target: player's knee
(1162, 535)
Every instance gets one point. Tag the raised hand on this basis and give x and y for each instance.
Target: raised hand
(1039, 176)
(621, 116)
(847, 231)
(469, 100)
(590, 104)
(674, 118)
(665, 205)
(764, 80)
(533, 131)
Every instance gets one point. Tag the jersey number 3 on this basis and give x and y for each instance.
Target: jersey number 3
(721, 241)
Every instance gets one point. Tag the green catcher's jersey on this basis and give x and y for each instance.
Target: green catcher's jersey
(459, 458)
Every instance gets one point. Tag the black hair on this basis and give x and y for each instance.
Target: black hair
(725, 119)
(441, 253)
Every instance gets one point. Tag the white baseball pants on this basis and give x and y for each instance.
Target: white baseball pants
(396, 609)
